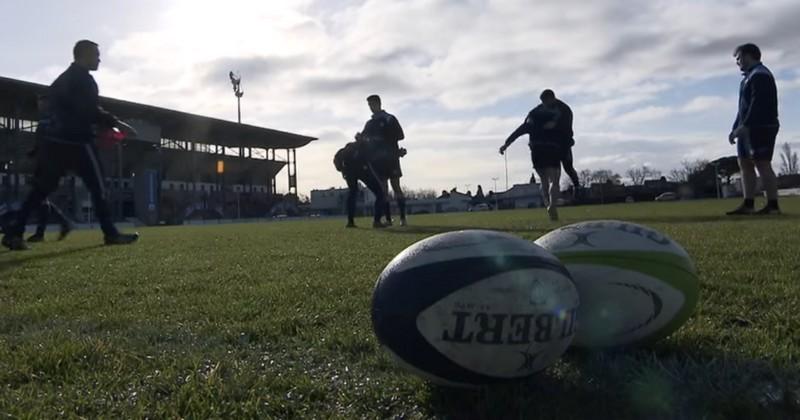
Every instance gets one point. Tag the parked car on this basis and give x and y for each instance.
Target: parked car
(667, 196)
(480, 207)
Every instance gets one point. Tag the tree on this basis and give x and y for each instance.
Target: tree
(585, 176)
(687, 168)
(726, 167)
(641, 174)
(419, 194)
(789, 161)
(604, 176)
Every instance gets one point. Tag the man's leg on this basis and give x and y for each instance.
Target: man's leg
(49, 170)
(42, 217)
(91, 173)
(375, 185)
(554, 178)
(352, 194)
(401, 199)
(770, 183)
(66, 225)
(748, 172)
(567, 162)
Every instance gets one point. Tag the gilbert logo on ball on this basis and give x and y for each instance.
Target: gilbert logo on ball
(635, 284)
(474, 307)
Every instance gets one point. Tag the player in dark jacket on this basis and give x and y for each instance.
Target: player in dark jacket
(561, 125)
(382, 132)
(68, 145)
(352, 162)
(546, 153)
(756, 128)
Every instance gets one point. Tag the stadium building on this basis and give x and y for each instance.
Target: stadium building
(180, 166)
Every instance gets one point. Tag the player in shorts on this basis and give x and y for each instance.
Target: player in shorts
(756, 127)
(382, 132)
(546, 154)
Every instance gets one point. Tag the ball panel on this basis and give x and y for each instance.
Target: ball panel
(400, 293)
(465, 244)
(609, 235)
(620, 306)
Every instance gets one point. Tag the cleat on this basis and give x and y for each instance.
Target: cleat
(403, 222)
(14, 243)
(741, 210)
(768, 211)
(122, 239)
(36, 237)
(66, 228)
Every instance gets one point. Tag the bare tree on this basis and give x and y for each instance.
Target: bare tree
(686, 169)
(641, 174)
(585, 176)
(789, 161)
(605, 175)
(419, 194)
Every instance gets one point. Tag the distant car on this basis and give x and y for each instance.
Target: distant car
(480, 207)
(629, 199)
(667, 196)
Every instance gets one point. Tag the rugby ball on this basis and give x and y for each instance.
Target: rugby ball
(636, 285)
(474, 307)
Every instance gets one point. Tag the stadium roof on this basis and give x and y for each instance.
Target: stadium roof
(18, 99)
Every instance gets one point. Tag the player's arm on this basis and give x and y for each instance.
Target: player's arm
(398, 130)
(522, 129)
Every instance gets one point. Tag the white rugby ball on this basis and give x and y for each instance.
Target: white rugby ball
(635, 284)
(474, 307)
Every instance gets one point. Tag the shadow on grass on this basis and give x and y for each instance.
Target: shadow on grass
(432, 230)
(709, 218)
(9, 264)
(659, 383)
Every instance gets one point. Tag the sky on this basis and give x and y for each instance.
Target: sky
(650, 83)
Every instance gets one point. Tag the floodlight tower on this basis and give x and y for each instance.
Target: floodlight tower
(236, 81)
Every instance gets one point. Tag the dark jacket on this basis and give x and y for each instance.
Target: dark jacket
(74, 107)
(758, 99)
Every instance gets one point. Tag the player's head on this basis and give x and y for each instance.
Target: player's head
(86, 54)
(547, 97)
(374, 102)
(747, 55)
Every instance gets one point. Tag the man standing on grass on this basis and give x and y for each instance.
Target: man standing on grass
(756, 127)
(382, 133)
(68, 146)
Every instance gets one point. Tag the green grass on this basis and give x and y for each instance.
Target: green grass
(272, 320)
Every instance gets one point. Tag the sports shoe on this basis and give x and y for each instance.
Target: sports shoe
(403, 222)
(379, 225)
(768, 211)
(14, 243)
(36, 237)
(66, 228)
(387, 223)
(741, 210)
(552, 211)
(122, 238)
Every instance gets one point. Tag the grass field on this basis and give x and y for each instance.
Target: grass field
(272, 321)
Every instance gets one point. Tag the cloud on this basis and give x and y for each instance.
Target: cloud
(631, 73)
